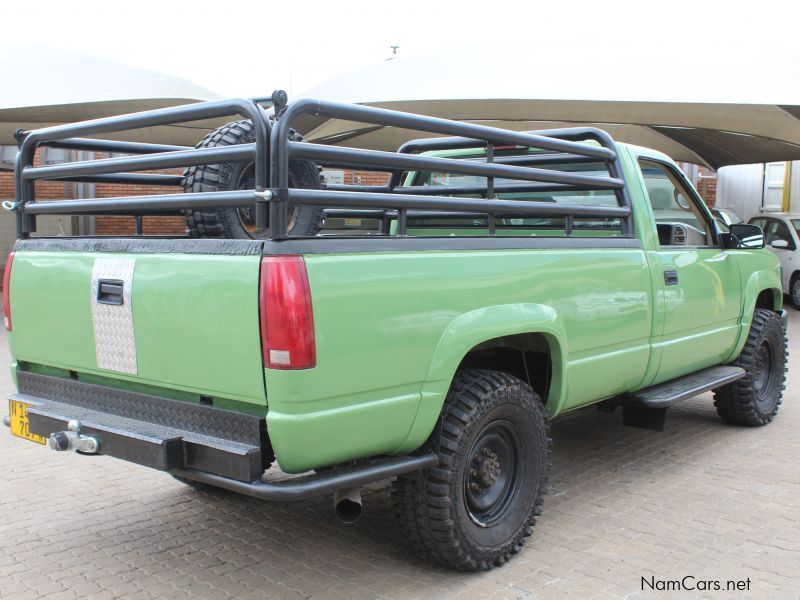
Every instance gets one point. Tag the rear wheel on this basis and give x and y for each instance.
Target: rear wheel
(239, 223)
(476, 508)
(754, 399)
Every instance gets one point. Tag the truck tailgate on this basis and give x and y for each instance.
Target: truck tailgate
(179, 314)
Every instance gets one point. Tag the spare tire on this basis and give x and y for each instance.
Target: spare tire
(239, 223)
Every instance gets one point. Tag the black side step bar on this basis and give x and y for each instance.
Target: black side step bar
(320, 484)
(647, 408)
(668, 393)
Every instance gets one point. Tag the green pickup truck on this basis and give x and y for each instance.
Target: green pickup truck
(515, 276)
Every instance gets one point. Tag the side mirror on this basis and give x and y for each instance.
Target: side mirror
(744, 236)
(780, 244)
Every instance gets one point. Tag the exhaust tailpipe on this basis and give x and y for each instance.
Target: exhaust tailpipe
(347, 504)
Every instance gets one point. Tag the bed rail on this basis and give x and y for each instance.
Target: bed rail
(272, 195)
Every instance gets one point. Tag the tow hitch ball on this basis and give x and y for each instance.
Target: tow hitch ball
(72, 439)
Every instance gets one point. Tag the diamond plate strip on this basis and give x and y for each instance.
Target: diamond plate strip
(114, 338)
(199, 419)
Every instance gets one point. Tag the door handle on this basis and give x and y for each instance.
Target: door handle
(671, 277)
(109, 291)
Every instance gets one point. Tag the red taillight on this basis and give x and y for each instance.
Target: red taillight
(7, 291)
(287, 322)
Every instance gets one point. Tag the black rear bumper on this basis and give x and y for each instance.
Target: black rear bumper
(153, 431)
(225, 448)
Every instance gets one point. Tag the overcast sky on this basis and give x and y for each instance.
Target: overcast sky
(242, 47)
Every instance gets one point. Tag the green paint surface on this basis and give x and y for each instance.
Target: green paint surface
(195, 319)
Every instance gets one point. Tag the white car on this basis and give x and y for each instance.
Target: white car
(782, 236)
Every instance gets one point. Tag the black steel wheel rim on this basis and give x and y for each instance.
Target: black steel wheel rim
(493, 473)
(764, 378)
(246, 216)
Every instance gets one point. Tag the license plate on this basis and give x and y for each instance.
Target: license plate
(20, 427)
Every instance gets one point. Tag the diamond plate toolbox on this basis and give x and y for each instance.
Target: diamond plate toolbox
(114, 338)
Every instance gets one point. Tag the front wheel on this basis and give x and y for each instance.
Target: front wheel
(795, 291)
(754, 399)
(476, 508)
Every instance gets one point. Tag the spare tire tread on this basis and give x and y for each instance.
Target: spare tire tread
(225, 223)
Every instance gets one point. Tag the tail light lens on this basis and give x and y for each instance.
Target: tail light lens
(7, 291)
(287, 321)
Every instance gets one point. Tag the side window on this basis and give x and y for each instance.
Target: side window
(782, 233)
(679, 221)
(769, 227)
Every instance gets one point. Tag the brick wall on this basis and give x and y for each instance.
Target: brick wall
(104, 225)
(46, 190)
(6, 185)
(122, 226)
(365, 178)
(707, 185)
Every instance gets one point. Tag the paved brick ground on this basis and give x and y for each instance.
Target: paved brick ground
(702, 499)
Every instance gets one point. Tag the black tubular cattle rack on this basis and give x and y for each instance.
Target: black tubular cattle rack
(273, 148)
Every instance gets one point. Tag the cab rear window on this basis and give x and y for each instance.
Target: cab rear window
(514, 225)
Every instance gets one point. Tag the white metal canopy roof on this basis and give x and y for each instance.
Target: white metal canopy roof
(45, 86)
(740, 109)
